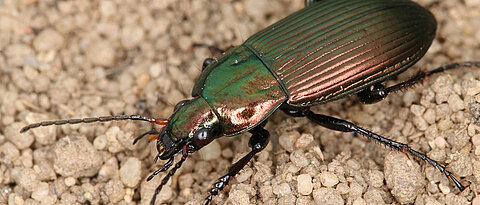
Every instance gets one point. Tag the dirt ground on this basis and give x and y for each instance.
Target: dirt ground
(74, 59)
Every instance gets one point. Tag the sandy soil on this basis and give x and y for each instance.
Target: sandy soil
(73, 59)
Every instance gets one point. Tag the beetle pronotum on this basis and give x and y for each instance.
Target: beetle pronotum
(350, 47)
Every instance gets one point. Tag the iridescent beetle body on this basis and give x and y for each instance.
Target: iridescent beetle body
(329, 50)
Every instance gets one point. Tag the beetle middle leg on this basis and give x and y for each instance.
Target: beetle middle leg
(377, 92)
(258, 141)
(345, 126)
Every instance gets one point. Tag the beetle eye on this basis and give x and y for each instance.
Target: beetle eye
(179, 105)
(202, 137)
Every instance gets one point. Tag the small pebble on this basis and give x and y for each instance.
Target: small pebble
(476, 140)
(373, 196)
(403, 177)
(87, 160)
(304, 184)
(475, 88)
(109, 169)
(327, 196)
(131, 36)
(303, 141)
(101, 52)
(69, 181)
(328, 179)
(429, 116)
(343, 188)
(41, 191)
(48, 39)
(9, 153)
(356, 189)
(238, 197)
(265, 192)
(287, 140)
(45, 171)
(131, 172)
(359, 201)
(299, 158)
(440, 142)
(25, 177)
(282, 189)
(114, 190)
(417, 110)
(420, 123)
(107, 8)
(211, 152)
(455, 103)
(375, 178)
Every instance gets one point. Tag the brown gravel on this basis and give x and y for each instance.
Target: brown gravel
(71, 59)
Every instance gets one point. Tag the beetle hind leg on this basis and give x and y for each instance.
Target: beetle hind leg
(258, 142)
(345, 126)
(310, 2)
(377, 92)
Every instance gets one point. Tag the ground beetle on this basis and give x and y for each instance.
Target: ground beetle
(328, 50)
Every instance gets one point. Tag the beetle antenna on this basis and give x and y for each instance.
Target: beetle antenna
(158, 121)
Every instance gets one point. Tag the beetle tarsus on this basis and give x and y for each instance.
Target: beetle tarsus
(258, 141)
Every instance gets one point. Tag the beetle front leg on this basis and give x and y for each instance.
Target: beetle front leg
(258, 142)
(345, 126)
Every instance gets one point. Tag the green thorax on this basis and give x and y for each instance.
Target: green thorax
(240, 89)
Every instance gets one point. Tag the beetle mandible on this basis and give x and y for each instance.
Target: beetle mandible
(329, 50)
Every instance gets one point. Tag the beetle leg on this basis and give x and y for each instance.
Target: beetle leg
(169, 174)
(212, 47)
(258, 141)
(422, 75)
(377, 92)
(165, 167)
(372, 94)
(310, 2)
(345, 126)
(207, 62)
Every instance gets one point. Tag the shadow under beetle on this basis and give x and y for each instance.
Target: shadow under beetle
(328, 50)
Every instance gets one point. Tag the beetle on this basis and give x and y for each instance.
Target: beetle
(329, 50)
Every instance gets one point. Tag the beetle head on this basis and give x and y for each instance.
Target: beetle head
(192, 126)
